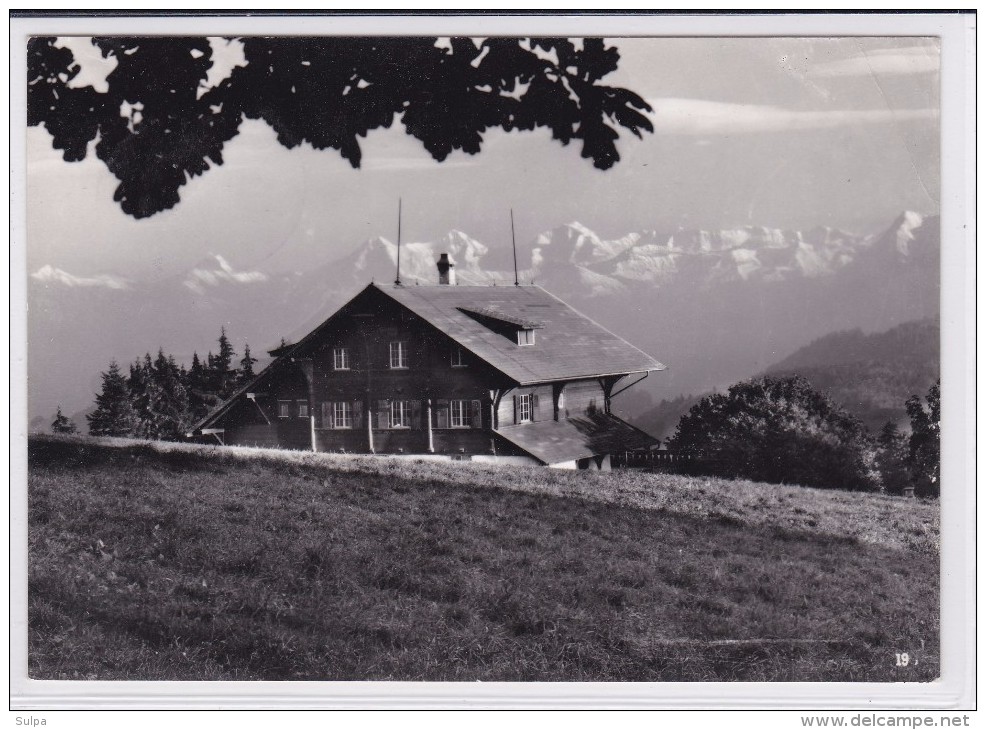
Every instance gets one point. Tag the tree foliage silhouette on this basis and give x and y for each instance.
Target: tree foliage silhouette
(222, 373)
(892, 459)
(778, 430)
(62, 424)
(114, 415)
(161, 399)
(245, 373)
(200, 398)
(327, 92)
(924, 444)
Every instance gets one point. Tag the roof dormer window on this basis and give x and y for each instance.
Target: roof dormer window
(525, 337)
(514, 326)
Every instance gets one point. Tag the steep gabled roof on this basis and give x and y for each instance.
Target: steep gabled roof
(568, 344)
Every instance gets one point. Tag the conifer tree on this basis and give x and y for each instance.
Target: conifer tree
(246, 373)
(224, 358)
(141, 389)
(196, 371)
(114, 415)
(200, 399)
(221, 367)
(168, 400)
(61, 424)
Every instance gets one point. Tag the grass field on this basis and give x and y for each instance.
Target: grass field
(174, 562)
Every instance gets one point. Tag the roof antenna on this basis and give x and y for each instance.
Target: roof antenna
(397, 281)
(513, 237)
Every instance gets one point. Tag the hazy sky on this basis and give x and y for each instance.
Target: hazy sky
(783, 132)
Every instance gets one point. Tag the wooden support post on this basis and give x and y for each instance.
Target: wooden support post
(307, 366)
(556, 396)
(431, 438)
(495, 397)
(314, 445)
(607, 386)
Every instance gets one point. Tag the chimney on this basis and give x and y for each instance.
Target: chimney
(446, 271)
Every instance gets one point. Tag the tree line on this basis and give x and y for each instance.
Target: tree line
(782, 430)
(770, 429)
(159, 399)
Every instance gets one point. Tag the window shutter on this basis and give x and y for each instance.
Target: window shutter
(516, 409)
(383, 414)
(535, 407)
(358, 414)
(416, 414)
(441, 414)
(328, 415)
(477, 414)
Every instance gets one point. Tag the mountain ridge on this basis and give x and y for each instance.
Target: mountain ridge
(716, 306)
(870, 375)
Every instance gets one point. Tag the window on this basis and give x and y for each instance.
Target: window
(342, 414)
(458, 358)
(398, 355)
(459, 413)
(284, 409)
(302, 409)
(400, 414)
(340, 358)
(525, 337)
(523, 408)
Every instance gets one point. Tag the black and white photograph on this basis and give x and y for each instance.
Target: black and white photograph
(509, 358)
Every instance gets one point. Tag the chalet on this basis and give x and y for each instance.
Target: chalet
(507, 374)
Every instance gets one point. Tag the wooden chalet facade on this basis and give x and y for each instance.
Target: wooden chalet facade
(497, 374)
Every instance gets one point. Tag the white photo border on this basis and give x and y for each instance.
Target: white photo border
(956, 687)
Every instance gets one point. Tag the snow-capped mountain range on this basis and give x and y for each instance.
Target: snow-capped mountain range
(582, 263)
(716, 305)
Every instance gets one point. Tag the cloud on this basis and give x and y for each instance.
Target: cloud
(701, 117)
(48, 273)
(213, 277)
(888, 61)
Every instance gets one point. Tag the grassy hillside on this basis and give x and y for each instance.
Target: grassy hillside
(178, 562)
